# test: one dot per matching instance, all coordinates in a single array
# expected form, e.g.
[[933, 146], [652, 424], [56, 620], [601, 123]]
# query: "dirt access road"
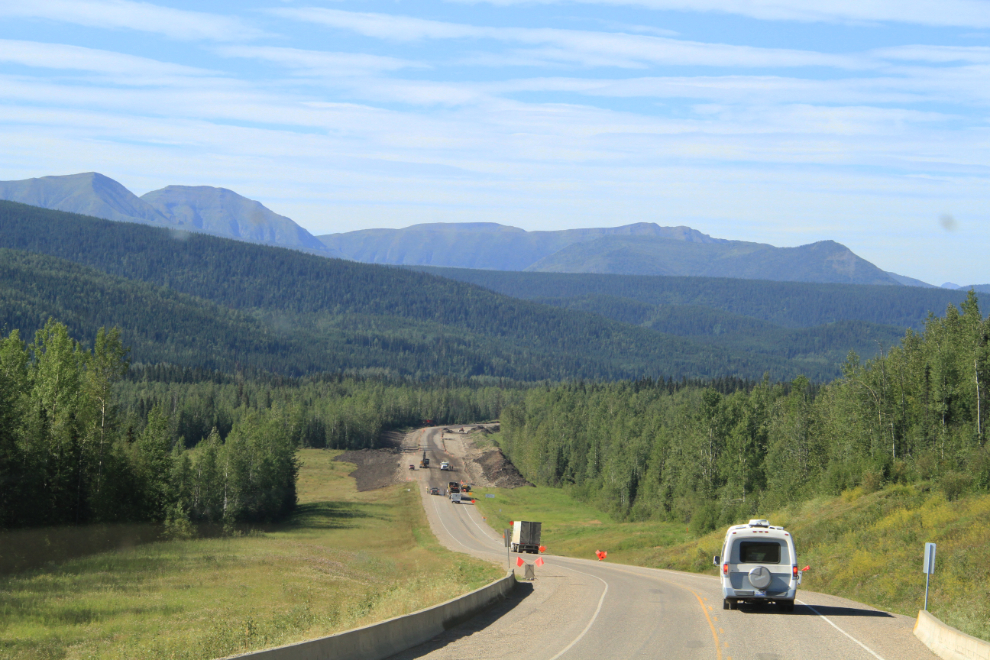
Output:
[[586, 610]]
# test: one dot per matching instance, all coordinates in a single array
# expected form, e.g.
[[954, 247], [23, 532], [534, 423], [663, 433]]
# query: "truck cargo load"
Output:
[[526, 536]]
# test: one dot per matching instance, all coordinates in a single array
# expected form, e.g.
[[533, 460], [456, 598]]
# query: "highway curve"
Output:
[[588, 610]]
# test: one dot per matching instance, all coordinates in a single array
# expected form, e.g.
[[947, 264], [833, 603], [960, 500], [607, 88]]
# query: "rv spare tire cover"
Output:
[[759, 577]]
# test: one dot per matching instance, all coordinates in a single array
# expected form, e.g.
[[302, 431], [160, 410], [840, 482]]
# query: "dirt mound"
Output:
[[376, 468], [500, 471]]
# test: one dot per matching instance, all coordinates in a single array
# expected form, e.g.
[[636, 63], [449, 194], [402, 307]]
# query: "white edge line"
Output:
[[829, 621], [601, 601], [440, 518], [478, 525]]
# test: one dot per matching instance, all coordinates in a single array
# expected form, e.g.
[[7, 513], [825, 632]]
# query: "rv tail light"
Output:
[[725, 569], [794, 570]]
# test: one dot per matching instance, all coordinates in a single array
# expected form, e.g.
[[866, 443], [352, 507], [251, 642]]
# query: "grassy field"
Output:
[[864, 546], [573, 528], [345, 559]]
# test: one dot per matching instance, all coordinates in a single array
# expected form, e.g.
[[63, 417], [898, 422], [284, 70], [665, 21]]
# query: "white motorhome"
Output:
[[758, 565]]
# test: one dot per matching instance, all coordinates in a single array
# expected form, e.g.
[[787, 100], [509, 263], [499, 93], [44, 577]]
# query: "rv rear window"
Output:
[[759, 552]]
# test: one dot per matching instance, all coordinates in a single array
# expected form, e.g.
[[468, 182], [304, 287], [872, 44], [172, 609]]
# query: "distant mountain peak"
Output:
[[204, 209]]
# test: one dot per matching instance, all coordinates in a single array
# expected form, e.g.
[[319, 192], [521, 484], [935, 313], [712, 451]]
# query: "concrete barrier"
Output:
[[380, 640], [948, 643]]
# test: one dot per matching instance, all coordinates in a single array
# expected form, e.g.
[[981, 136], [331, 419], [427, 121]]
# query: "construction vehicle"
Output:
[[453, 487], [526, 536], [425, 463]]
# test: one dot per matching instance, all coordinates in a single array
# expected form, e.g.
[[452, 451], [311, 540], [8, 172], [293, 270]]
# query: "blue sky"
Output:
[[778, 121]]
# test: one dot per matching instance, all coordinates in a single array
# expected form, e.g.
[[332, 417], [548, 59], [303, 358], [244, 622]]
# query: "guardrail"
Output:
[[948, 643], [380, 640]]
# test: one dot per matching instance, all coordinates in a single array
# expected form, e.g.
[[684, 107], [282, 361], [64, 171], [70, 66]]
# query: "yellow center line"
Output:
[[711, 625]]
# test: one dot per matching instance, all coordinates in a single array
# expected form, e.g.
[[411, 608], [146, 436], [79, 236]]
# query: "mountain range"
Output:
[[200, 209], [635, 249], [198, 300]]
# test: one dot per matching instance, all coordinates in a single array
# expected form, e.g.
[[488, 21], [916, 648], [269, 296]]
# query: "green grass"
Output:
[[864, 546], [344, 559], [869, 547], [573, 528]]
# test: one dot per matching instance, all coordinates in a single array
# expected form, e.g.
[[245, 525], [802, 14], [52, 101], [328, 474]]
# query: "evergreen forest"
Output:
[[86, 438], [720, 453]]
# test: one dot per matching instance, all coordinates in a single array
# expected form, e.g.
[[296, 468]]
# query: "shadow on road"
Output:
[[471, 626], [828, 610], [804, 610]]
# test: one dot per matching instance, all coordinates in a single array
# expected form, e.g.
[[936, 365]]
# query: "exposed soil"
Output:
[[486, 467], [499, 471], [375, 467]]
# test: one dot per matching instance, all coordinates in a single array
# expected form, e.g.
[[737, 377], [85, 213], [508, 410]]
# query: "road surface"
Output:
[[588, 610]]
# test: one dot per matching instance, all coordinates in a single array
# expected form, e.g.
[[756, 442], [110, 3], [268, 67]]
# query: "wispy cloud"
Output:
[[141, 16], [954, 13], [584, 47], [938, 54], [76, 58], [319, 63]]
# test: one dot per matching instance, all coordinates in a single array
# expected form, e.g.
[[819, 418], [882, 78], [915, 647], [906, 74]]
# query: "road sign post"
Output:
[[928, 568], [508, 544]]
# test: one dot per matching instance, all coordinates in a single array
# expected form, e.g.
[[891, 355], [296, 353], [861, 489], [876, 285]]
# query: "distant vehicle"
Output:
[[445, 465], [526, 536], [434, 491], [412, 467], [758, 565], [455, 498]]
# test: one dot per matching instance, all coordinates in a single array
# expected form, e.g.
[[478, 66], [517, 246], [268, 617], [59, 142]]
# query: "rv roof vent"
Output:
[[759, 523]]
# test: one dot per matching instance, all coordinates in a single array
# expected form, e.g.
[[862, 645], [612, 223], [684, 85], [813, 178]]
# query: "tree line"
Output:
[[915, 413], [70, 455], [86, 438]]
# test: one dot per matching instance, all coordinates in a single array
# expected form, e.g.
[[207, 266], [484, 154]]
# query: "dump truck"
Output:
[[453, 487], [526, 536]]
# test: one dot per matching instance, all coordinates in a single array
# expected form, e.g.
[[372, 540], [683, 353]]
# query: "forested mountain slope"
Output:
[[387, 318], [830, 342], [787, 304]]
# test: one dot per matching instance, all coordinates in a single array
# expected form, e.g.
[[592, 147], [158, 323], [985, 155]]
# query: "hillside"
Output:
[[485, 245], [826, 261], [222, 212], [215, 211], [639, 249], [87, 194], [385, 318], [786, 304], [829, 342]]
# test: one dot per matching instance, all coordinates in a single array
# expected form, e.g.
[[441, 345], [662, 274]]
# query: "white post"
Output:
[[928, 568]]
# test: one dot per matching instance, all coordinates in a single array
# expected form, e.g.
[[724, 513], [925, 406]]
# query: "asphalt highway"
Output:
[[580, 609]]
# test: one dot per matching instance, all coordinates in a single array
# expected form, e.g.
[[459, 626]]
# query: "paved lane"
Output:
[[588, 610]]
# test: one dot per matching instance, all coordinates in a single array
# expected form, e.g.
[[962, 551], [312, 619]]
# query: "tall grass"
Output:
[[864, 546], [345, 559]]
